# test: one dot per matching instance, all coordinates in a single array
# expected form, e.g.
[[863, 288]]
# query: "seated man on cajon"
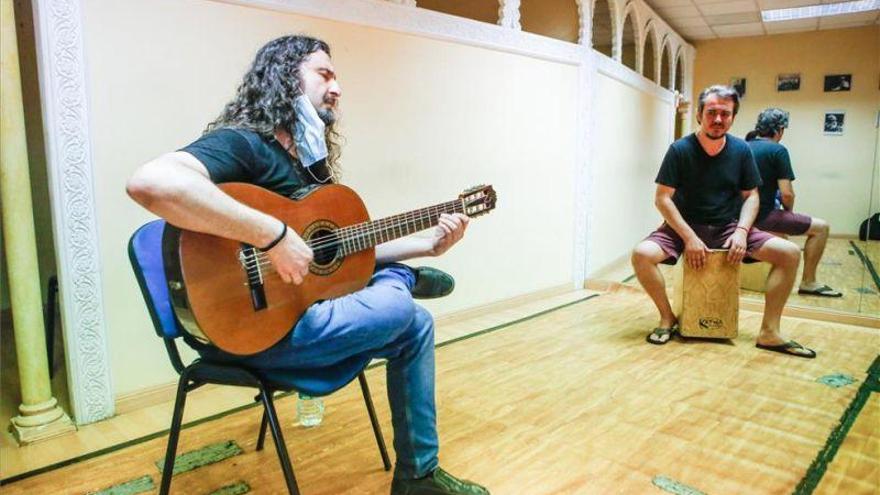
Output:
[[774, 165], [707, 194]]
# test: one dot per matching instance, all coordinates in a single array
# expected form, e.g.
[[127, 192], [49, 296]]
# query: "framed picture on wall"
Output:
[[833, 125], [838, 82], [788, 82], [739, 84]]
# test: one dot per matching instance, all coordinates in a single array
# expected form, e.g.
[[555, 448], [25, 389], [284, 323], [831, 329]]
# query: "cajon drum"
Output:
[[706, 301], [753, 276]]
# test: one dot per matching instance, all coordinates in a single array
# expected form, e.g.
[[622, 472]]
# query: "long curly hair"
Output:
[[264, 101]]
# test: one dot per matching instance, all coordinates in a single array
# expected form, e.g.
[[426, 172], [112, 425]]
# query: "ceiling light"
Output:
[[823, 10]]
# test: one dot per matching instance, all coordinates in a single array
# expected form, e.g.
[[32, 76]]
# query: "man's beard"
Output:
[[328, 116], [715, 138]]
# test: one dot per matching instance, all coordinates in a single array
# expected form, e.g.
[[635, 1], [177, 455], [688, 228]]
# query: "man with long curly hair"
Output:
[[278, 133]]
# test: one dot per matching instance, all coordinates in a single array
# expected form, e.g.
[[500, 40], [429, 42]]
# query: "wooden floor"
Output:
[[569, 402], [855, 468], [206, 401], [840, 267]]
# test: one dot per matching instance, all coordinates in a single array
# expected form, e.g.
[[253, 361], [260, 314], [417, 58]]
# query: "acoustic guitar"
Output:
[[226, 293]]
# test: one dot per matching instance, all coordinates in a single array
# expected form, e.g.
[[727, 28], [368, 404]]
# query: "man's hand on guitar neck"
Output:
[[291, 257], [449, 230]]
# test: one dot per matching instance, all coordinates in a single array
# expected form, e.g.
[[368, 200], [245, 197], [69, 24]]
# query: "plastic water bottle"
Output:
[[309, 410]]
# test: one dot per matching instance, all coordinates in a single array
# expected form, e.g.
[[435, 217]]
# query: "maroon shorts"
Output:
[[713, 236], [785, 222]]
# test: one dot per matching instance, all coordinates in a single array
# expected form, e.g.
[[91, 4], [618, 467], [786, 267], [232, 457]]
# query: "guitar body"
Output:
[[214, 296]]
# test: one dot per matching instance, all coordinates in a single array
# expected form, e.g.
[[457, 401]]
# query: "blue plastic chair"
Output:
[[145, 253]]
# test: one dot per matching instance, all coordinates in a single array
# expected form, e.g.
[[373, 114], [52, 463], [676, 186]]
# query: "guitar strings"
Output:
[[355, 235]]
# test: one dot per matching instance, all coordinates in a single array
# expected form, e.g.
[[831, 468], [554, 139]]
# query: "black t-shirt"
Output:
[[773, 164], [242, 155], [708, 188]]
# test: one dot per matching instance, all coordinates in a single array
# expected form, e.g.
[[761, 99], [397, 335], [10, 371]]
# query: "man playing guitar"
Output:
[[278, 133]]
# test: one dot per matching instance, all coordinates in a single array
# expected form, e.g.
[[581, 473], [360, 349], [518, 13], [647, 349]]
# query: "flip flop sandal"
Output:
[[824, 291], [659, 333], [788, 348]]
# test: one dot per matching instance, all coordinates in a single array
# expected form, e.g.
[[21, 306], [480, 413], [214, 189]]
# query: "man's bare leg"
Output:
[[785, 257], [817, 238], [645, 258]]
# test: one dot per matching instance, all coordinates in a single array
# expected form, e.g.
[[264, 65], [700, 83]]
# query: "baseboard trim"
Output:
[[815, 314], [157, 394], [150, 396]]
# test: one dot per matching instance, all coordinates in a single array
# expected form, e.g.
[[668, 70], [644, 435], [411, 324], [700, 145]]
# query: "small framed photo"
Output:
[[838, 82], [739, 85], [788, 82], [833, 125]]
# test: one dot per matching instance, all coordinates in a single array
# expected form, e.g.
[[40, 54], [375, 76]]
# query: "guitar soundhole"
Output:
[[325, 246], [321, 236]]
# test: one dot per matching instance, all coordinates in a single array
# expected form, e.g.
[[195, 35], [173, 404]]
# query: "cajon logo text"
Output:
[[711, 323]]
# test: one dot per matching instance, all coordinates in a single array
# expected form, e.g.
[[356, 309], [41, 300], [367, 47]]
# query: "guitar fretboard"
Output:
[[366, 235]]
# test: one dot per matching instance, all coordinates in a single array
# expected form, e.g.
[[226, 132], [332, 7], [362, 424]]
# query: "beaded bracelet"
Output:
[[277, 239]]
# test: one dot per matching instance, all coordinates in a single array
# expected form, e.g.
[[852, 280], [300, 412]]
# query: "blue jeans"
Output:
[[379, 321]]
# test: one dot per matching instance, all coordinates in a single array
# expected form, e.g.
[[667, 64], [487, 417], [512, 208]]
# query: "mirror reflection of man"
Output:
[[774, 165], [708, 197]]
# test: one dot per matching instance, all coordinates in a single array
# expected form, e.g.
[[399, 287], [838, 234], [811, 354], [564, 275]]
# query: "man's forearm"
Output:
[[673, 217], [788, 203], [189, 200], [749, 211], [403, 249]]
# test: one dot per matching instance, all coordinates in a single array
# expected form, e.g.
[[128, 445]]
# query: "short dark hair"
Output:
[[771, 121], [721, 91]]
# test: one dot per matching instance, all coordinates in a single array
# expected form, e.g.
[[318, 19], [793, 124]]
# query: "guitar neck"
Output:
[[366, 235]]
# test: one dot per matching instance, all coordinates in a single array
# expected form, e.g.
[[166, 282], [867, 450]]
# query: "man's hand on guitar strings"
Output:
[[449, 230], [291, 258]]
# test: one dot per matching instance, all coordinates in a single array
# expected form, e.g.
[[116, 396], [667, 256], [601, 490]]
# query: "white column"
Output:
[[40, 417], [508, 14]]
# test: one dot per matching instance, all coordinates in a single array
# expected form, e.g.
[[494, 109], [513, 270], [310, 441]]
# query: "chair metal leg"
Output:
[[377, 430], [280, 446], [174, 434], [262, 438]]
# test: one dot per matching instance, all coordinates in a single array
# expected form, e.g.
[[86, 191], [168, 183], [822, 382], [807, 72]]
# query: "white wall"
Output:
[[422, 118], [632, 129]]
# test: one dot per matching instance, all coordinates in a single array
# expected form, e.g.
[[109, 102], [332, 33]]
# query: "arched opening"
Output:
[[648, 62], [679, 74], [628, 42], [553, 18], [603, 35], [478, 10], [664, 66]]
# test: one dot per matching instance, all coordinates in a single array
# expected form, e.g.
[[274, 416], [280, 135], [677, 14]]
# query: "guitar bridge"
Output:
[[248, 257]]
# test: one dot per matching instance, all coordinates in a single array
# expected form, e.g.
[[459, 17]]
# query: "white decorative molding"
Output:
[[60, 55], [408, 3], [427, 23], [624, 74], [585, 22], [508, 14], [633, 11], [583, 174], [651, 30]]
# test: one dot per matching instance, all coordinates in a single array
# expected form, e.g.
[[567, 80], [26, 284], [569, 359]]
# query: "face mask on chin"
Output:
[[308, 137]]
